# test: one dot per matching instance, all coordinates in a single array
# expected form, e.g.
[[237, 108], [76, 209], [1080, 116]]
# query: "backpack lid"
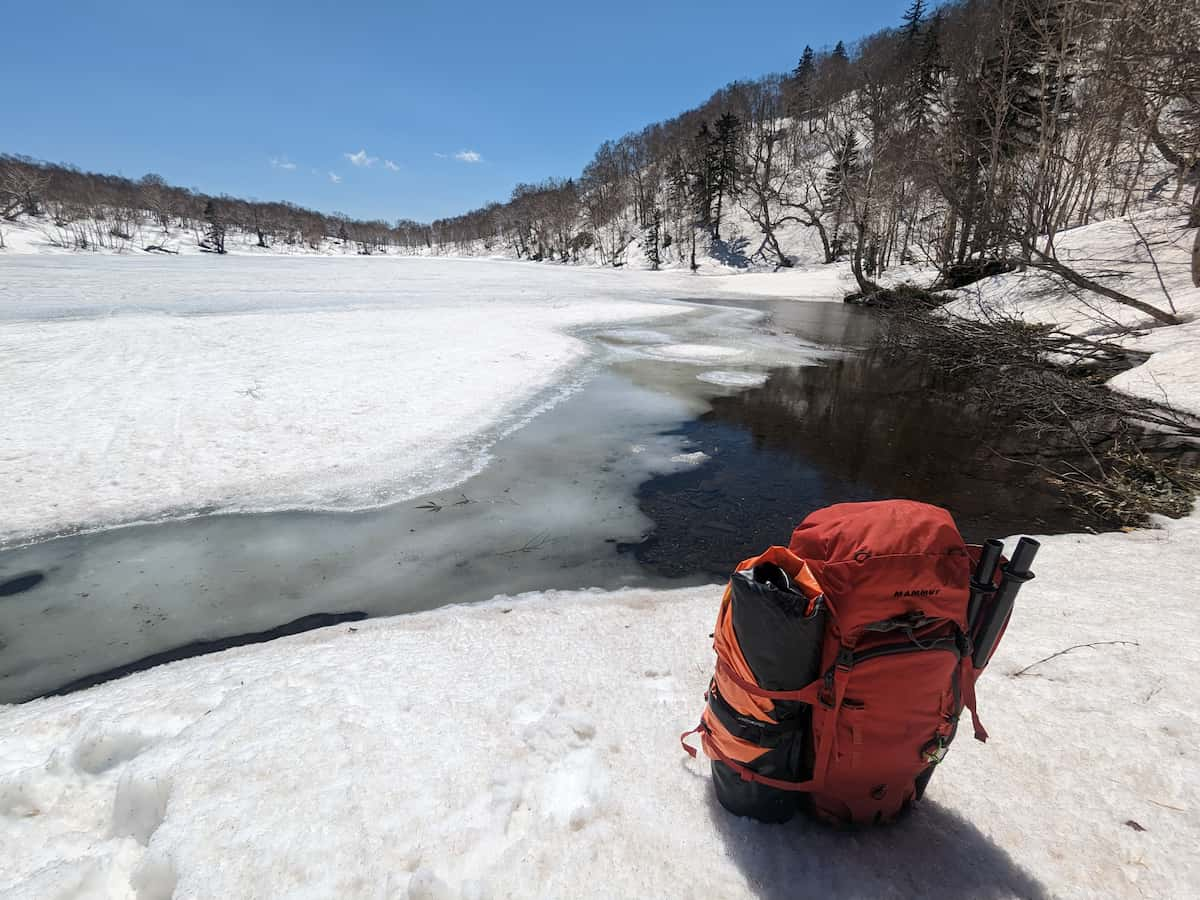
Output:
[[886, 560]]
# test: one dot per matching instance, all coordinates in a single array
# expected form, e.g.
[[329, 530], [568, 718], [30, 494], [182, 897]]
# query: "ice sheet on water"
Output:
[[700, 354], [730, 378], [635, 336]]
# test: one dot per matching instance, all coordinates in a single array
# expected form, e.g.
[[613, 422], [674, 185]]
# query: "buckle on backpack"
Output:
[[965, 645], [825, 695], [844, 661], [935, 751]]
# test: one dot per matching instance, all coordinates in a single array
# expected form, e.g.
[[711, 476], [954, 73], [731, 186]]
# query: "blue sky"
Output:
[[450, 103]]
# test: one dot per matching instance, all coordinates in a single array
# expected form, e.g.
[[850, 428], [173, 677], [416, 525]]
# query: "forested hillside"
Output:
[[968, 135], [965, 138]]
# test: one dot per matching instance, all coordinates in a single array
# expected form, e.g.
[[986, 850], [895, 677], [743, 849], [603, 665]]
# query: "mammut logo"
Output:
[[922, 592]]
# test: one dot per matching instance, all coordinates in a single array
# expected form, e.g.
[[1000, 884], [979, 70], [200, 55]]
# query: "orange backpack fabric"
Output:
[[838, 688]]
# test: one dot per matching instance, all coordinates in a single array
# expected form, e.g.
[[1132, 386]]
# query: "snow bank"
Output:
[[811, 282], [530, 748], [1172, 374]]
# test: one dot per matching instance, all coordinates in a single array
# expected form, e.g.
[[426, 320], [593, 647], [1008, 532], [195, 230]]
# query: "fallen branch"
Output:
[[537, 542], [1069, 649], [1041, 260], [1167, 806]]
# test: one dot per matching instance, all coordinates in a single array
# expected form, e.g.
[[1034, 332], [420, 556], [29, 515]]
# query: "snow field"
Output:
[[529, 747]]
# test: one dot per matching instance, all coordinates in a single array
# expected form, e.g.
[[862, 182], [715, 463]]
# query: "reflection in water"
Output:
[[858, 428]]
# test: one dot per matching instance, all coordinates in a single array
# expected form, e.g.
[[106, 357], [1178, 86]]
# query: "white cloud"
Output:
[[335, 177], [282, 162], [390, 166], [468, 156], [361, 159], [441, 155]]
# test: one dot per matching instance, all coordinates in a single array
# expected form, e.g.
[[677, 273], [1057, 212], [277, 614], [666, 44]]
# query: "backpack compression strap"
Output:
[[967, 674], [826, 707]]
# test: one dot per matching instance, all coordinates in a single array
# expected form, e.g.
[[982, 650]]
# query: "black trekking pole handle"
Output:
[[983, 582], [1016, 573]]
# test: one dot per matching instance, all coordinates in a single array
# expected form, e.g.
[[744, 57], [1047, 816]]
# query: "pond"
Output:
[[655, 471]]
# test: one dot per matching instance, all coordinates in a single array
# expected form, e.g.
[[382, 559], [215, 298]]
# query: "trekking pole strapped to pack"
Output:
[[983, 582], [845, 660], [996, 614]]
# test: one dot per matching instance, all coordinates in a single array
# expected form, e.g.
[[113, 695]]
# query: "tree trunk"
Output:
[[1185, 166], [1039, 260], [865, 285], [828, 250], [1196, 260]]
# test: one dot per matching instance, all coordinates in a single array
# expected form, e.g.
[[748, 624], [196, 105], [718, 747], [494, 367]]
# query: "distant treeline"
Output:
[[91, 209], [965, 137]]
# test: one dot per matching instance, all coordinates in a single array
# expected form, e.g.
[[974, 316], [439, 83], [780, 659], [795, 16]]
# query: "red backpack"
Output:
[[845, 660]]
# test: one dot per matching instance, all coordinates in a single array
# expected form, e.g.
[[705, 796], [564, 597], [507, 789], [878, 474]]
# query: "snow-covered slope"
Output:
[[530, 748]]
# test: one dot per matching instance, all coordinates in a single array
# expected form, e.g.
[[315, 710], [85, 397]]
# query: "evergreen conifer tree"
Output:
[[215, 236], [724, 163], [804, 69], [913, 17], [800, 96], [1033, 78], [921, 89], [650, 238], [702, 176], [847, 163]]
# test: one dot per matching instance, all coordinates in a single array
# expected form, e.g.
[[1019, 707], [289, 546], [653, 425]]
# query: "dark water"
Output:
[[861, 427], [851, 430]]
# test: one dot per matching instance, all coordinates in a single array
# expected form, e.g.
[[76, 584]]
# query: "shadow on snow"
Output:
[[932, 852]]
